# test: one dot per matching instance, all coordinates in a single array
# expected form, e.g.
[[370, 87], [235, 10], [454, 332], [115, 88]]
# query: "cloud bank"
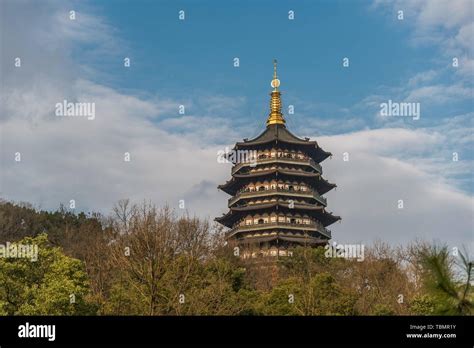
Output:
[[173, 157]]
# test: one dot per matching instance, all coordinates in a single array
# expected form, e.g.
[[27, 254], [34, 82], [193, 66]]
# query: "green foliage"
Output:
[[383, 309], [43, 287], [64, 228], [279, 300], [423, 305], [123, 299], [451, 296], [321, 295], [181, 266]]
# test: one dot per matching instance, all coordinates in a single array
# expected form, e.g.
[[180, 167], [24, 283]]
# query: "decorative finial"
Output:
[[275, 117], [275, 82]]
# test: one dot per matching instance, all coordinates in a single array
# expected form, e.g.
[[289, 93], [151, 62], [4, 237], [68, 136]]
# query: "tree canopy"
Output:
[[143, 260]]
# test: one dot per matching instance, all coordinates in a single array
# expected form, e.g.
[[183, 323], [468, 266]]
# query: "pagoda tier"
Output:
[[274, 231], [238, 213], [314, 180], [277, 135], [277, 190], [273, 157], [271, 191]]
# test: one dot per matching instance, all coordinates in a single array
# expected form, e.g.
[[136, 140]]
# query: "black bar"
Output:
[[290, 331]]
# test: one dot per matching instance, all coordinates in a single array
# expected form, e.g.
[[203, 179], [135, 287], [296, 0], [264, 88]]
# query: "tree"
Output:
[[149, 261], [321, 295], [452, 295], [55, 284], [157, 257]]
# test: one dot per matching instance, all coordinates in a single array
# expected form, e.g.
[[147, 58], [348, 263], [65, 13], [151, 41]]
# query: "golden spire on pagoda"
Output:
[[275, 116]]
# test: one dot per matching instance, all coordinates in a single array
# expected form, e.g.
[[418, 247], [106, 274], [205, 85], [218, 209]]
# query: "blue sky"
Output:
[[196, 54], [190, 62], [185, 58]]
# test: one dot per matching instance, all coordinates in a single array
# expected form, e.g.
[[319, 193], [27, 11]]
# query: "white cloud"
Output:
[[174, 157], [438, 94], [422, 77], [83, 160], [445, 23], [382, 170]]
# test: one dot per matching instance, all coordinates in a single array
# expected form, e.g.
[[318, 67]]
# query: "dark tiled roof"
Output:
[[276, 132], [314, 179], [236, 213]]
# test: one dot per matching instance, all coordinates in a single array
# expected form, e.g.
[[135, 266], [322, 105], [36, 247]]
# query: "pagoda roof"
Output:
[[279, 170], [322, 186], [279, 133], [319, 212], [301, 240]]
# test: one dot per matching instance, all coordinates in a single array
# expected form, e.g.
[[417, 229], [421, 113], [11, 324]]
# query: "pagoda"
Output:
[[277, 190]]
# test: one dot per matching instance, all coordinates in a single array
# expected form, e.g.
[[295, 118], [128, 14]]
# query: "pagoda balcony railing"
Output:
[[316, 227], [260, 193], [278, 159]]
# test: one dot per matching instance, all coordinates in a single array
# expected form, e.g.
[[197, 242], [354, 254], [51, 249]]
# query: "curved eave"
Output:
[[326, 187], [281, 134], [313, 150], [276, 132], [279, 204], [236, 213], [240, 168], [287, 194], [232, 186], [226, 188], [222, 219], [300, 240], [281, 171]]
